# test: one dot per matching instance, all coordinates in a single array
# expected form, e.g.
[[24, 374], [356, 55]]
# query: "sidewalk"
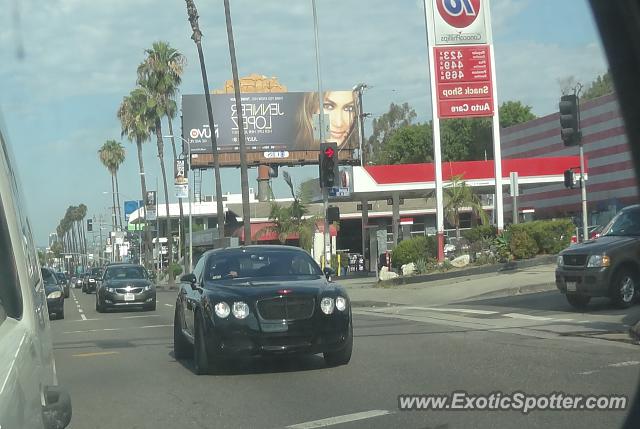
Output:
[[535, 279]]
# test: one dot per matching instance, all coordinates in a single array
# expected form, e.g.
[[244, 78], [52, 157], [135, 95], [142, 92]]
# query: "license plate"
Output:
[[129, 297], [571, 286]]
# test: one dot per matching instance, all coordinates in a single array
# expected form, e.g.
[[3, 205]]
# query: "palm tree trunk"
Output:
[[457, 223], [118, 201], [175, 156], [143, 186], [114, 217], [166, 201]]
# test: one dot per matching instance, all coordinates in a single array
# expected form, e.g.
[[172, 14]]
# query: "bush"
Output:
[[551, 236], [481, 232], [175, 269], [414, 249], [522, 245]]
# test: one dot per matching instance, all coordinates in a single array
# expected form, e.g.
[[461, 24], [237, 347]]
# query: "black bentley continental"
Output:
[[260, 300]]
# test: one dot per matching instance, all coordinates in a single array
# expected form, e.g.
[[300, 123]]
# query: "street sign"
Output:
[[359, 207], [463, 81], [68, 256], [513, 184], [339, 192]]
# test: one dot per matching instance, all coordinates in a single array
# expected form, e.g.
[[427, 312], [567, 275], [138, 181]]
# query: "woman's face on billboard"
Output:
[[340, 106]]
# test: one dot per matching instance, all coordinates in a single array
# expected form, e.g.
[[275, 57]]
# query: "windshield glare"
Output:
[[125, 273], [625, 223], [259, 264]]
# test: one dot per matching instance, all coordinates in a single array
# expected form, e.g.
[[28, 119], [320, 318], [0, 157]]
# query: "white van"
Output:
[[30, 397]]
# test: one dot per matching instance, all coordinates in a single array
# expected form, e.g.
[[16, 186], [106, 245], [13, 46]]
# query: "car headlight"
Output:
[[341, 303], [327, 305], [240, 310], [560, 261], [111, 289], [54, 295], [597, 261], [92, 281], [222, 309], [148, 287]]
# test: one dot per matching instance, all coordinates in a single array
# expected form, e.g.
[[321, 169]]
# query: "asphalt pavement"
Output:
[[121, 373]]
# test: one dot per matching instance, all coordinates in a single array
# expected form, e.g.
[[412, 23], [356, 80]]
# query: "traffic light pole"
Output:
[[583, 190]]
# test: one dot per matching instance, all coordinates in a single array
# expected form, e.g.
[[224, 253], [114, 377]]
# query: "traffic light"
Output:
[[333, 214], [569, 179], [570, 120], [89, 225], [328, 165]]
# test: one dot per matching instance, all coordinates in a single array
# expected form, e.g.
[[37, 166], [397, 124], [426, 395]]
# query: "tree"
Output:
[[397, 117], [601, 85], [112, 155], [291, 220], [410, 144], [161, 73], [136, 124], [513, 113], [457, 196]]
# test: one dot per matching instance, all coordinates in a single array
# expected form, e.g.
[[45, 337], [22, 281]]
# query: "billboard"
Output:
[[460, 22], [150, 205], [181, 181], [279, 127]]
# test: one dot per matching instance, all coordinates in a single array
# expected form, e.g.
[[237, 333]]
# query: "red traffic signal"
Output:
[[329, 152]]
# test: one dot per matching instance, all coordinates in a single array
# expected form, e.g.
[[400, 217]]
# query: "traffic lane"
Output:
[[553, 302], [129, 378]]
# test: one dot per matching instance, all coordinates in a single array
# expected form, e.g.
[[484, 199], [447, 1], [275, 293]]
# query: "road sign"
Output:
[[68, 256], [339, 192], [463, 81]]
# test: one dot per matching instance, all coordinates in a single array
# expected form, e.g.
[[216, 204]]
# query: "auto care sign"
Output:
[[460, 37]]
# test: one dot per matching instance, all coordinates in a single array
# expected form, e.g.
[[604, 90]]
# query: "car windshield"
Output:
[[250, 264], [48, 277], [625, 223], [125, 273]]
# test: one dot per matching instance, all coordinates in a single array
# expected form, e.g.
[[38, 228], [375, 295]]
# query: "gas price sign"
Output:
[[463, 81]]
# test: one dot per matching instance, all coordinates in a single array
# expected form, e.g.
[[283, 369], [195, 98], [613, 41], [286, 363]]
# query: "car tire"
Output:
[[60, 315], [343, 356], [182, 349], [66, 293], [99, 307], [201, 359], [152, 307], [578, 301], [624, 288]]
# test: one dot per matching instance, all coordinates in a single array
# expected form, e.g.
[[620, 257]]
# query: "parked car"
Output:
[[260, 300], [30, 397], [125, 286], [606, 267], [64, 282], [55, 293], [91, 279]]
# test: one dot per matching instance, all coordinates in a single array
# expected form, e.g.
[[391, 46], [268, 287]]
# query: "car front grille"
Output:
[[133, 290], [575, 260], [286, 308]]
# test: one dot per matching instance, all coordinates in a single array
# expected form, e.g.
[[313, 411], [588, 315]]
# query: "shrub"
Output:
[[481, 232], [175, 269], [423, 266], [502, 246], [414, 249], [551, 236], [522, 245]]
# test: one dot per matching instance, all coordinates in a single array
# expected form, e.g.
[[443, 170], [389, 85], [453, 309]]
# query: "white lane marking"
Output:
[[526, 317], [116, 329], [140, 317], [340, 419], [623, 364], [83, 317], [169, 305], [453, 310], [588, 372]]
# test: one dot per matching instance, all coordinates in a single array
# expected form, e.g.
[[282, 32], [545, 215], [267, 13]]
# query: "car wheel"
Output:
[[66, 293], [182, 349], [60, 315], [577, 301], [152, 307], [624, 288], [201, 361], [99, 307], [340, 357]]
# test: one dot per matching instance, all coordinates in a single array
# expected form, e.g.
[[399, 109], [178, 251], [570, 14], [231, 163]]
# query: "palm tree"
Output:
[[136, 124], [161, 74], [81, 214], [112, 155], [291, 220], [457, 196]]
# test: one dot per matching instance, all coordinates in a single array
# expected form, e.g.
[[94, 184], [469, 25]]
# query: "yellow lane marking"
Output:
[[95, 354]]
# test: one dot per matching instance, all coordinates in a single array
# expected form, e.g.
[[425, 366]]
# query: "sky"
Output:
[[69, 63]]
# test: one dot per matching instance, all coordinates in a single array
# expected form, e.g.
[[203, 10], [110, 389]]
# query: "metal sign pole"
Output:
[[583, 190]]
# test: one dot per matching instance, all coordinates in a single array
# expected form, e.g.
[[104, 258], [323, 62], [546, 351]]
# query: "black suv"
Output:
[[91, 280], [608, 266]]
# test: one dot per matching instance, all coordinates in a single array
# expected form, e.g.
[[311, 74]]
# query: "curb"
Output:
[[484, 269]]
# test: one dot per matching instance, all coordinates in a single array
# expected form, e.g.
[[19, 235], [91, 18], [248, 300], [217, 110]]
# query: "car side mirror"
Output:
[[189, 278], [328, 272]]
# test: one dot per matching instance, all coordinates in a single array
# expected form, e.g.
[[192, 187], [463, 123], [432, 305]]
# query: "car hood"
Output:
[[257, 288], [600, 245], [127, 282]]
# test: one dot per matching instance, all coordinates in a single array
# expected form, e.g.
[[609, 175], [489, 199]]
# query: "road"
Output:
[[121, 373]]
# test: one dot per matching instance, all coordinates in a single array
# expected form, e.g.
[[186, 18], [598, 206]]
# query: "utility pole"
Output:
[[197, 38], [244, 177], [326, 246], [365, 203]]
